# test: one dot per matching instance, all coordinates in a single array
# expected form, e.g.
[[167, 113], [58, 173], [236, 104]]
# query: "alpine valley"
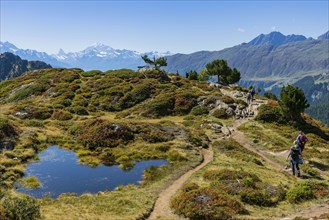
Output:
[[71, 140], [267, 62]]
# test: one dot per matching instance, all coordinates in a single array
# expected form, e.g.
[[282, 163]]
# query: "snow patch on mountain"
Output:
[[97, 56]]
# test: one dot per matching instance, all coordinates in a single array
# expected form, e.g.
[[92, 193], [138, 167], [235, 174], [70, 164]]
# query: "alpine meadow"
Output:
[[231, 122]]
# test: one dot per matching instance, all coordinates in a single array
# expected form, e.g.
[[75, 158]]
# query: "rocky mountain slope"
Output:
[[271, 58], [12, 66], [122, 116], [271, 61]]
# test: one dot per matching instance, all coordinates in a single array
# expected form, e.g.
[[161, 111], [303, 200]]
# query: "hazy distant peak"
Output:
[[276, 38], [99, 47], [7, 47], [61, 52], [324, 36]]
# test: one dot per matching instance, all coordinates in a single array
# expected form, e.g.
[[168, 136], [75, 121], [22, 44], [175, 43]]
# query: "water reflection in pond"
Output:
[[59, 172]]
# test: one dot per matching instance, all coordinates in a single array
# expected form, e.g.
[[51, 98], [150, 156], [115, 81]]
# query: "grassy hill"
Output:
[[122, 116]]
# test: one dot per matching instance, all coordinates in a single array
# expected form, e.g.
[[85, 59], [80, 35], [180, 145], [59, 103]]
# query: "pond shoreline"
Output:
[[59, 171]]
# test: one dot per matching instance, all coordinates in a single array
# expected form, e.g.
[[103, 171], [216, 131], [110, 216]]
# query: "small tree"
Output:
[[220, 69], [234, 77], [157, 63], [292, 102], [259, 90], [193, 75], [270, 95], [203, 76], [224, 73]]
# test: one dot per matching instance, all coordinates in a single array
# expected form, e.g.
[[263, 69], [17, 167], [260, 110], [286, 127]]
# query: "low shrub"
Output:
[[4, 215], [79, 110], [64, 102], [270, 95], [100, 133], [220, 113], [40, 113], [199, 110], [162, 105], [184, 102], [138, 94], [301, 191], [241, 102], [256, 197], [23, 207], [7, 132], [62, 115], [174, 155], [32, 89], [227, 99], [267, 113], [198, 138], [205, 203], [91, 73], [210, 100], [70, 76], [35, 123], [124, 73]]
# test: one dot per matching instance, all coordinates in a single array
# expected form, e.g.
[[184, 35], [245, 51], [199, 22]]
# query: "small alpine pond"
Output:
[[59, 172]]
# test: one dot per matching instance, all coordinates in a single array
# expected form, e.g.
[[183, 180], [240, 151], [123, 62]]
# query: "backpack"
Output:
[[295, 153], [302, 140]]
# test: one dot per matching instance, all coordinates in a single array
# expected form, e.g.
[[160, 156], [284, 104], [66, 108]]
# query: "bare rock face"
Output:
[[238, 95], [215, 127], [230, 112], [226, 131]]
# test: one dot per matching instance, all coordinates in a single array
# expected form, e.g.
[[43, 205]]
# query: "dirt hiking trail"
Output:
[[162, 206], [162, 210]]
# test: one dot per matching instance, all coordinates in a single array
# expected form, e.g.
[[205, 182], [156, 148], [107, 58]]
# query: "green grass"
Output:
[[123, 116], [30, 182], [262, 191]]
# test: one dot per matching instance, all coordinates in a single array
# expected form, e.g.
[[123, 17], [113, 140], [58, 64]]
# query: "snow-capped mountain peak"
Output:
[[7, 47], [96, 56], [99, 47]]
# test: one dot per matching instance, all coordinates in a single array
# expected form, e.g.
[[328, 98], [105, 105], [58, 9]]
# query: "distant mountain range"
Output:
[[12, 66], [265, 58], [268, 61], [97, 56], [276, 38]]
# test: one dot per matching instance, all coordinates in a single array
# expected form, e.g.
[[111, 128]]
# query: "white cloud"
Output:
[[241, 30], [273, 28]]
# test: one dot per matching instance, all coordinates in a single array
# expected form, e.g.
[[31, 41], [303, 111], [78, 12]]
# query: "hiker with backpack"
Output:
[[301, 140], [249, 98], [295, 158], [252, 92]]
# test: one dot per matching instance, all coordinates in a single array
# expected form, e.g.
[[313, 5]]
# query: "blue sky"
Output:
[[177, 26]]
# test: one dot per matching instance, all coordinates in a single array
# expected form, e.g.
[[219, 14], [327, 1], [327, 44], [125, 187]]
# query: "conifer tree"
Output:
[[292, 102], [224, 73], [157, 63]]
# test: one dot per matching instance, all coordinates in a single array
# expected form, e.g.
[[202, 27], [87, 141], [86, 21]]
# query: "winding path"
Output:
[[162, 208], [162, 205]]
